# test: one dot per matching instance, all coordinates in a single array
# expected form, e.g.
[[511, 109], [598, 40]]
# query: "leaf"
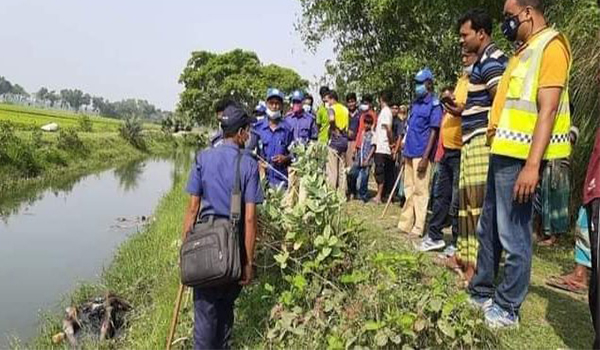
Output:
[[373, 325], [381, 338], [324, 254], [435, 305], [447, 329], [334, 343], [333, 241], [290, 235], [298, 245], [272, 333], [299, 282], [319, 241], [269, 288], [327, 232]]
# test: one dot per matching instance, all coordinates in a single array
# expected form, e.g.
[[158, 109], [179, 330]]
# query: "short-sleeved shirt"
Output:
[[323, 124], [364, 149], [554, 72], [273, 142], [382, 143], [451, 132], [213, 174], [486, 74], [303, 126], [353, 128], [361, 124], [341, 116], [425, 115]]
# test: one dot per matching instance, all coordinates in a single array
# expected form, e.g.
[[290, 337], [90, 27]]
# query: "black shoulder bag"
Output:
[[211, 254]]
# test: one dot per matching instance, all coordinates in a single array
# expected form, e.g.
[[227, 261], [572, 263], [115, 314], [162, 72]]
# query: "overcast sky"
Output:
[[137, 48]]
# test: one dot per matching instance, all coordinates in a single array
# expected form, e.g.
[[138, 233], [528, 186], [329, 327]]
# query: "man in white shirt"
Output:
[[384, 140]]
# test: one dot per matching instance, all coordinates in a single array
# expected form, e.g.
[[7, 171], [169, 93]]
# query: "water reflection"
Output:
[[129, 175]]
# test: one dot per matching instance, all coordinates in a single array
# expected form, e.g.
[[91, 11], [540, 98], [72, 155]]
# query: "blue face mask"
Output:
[[420, 90]]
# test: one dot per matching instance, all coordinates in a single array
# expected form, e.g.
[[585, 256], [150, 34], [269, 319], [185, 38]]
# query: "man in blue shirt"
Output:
[[210, 186], [302, 123], [274, 140], [419, 148]]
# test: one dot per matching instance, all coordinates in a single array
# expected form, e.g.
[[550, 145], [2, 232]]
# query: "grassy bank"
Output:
[[31, 160]]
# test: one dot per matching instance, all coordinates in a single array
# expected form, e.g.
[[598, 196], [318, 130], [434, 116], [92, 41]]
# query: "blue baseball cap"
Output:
[[234, 118], [297, 96], [273, 92], [423, 75]]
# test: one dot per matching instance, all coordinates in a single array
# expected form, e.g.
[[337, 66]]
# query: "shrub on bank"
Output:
[[330, 296]]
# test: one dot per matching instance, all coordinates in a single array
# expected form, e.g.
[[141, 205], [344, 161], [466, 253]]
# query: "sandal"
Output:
[[567, 285]]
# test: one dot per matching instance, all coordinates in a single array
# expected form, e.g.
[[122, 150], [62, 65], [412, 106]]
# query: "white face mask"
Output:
[[307, 108], [273, 115], [363, 107], [468, 70]]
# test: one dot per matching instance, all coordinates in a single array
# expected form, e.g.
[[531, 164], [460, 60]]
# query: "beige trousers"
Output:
[[416, 190], [336, 170], [296, 192]]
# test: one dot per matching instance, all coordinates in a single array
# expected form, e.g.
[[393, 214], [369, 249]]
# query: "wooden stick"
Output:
[[175, 316], [392, 193]]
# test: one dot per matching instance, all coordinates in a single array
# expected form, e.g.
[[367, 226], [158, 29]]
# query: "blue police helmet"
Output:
[[273, 92], [423, 75], [297, 96]]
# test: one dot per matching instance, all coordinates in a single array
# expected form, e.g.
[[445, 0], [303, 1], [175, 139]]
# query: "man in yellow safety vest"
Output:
[[529, 123]]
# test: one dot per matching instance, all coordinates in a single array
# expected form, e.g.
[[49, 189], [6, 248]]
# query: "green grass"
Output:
[[28, 118], [551, 319]]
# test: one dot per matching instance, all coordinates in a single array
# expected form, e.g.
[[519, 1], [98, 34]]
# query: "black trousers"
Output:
[[593, 211], [384, 172], [445, 196], [213, 316]]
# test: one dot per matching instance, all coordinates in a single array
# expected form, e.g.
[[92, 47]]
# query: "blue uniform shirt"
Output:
[[272, 143], [212, 176], [303, 126], [425, 114]]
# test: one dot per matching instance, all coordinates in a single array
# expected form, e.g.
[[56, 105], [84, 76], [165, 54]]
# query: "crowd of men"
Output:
[[474, 157]]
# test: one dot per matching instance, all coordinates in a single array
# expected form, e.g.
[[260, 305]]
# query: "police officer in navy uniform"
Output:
[[274, 140], [210, 186]]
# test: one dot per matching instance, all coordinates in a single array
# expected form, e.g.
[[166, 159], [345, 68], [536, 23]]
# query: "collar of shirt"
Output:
[[426, 99], [267, 126]]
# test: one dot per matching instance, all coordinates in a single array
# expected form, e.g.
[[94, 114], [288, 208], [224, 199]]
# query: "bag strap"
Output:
[[236, 195]]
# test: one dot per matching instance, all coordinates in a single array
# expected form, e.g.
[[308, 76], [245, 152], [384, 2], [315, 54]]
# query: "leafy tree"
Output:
[[74, 98], [238, 75], [53, 97], [42, 94], [19, 90], [5, 86], [86, 100]]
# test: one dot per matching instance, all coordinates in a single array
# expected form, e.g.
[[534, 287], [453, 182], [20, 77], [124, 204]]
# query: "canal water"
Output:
[[54, 238]]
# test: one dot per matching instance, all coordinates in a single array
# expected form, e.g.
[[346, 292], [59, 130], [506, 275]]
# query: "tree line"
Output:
[[77, 100]]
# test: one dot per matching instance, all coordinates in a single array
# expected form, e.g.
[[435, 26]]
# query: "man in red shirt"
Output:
[[591, 201]]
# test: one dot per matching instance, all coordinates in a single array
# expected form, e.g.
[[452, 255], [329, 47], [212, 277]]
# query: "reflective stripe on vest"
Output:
[[519, 115]]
